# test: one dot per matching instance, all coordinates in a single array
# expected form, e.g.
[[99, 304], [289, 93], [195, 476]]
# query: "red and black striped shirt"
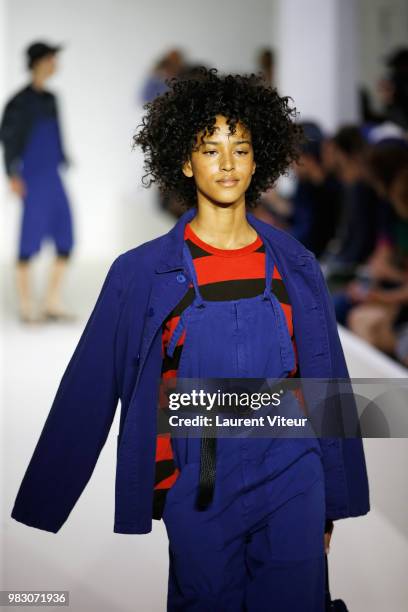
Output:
[[222, 274]]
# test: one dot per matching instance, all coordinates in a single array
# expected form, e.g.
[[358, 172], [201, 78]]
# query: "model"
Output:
[[33, 153], [221, 295]]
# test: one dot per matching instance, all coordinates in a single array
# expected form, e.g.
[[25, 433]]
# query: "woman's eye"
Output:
[[210, 153]]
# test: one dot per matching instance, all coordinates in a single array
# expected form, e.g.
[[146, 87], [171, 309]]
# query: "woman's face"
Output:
[[222, 164]]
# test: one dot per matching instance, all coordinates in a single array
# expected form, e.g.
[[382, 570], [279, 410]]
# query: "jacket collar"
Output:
[[171, 257]]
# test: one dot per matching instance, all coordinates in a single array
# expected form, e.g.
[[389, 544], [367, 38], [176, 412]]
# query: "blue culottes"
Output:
[[46, 211]]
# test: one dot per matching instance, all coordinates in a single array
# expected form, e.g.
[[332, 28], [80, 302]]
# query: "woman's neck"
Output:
[[223, 227]]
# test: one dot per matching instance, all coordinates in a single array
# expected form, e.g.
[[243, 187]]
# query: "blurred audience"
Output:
[[358, 221], [345, 199], [170, 65], [375, 306], [349, 206], [317, 198], [393, 88]]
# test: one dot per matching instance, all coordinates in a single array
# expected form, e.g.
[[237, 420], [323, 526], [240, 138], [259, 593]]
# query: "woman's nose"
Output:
[[227, 162]]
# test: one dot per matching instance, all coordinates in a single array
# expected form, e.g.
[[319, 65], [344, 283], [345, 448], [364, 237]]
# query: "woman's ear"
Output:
[[187, 168], [253, 168]]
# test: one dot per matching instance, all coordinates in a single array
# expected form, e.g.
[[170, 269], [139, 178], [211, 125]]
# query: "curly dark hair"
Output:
[[168, 132]]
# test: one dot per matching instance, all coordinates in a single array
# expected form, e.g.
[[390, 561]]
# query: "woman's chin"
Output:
[[225, 199]]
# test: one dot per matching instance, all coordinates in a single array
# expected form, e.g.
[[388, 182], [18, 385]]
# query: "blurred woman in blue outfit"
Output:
[[33, 153]]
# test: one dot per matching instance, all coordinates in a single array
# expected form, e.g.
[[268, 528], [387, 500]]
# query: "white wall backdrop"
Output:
[[317, 48]]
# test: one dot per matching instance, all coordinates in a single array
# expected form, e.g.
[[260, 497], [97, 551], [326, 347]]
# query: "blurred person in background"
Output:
[[317, 199], [310, 206], [171, 65], [367, 112], [378, 304], [33, 153], [266, 65], [393, 88], [275, 206], [357, 228], [392, 91]]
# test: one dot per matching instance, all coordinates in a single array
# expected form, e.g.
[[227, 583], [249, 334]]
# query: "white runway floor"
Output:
[[122, 573]]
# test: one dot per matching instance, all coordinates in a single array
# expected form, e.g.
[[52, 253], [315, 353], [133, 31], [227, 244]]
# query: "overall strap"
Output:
[[197, 302], [286, 348], [208, 451], [269, 266]]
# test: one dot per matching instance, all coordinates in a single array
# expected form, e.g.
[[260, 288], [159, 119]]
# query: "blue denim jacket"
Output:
[[119, 357]]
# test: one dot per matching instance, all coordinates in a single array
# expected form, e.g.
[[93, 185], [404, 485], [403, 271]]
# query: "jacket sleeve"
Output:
[[13, 131], [79, 420], [353, 478]]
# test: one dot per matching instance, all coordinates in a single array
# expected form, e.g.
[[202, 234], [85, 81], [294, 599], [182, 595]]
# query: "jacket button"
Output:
[[180, 278], [150, 312]]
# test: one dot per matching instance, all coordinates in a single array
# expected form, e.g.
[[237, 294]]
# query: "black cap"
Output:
[[38, 50]]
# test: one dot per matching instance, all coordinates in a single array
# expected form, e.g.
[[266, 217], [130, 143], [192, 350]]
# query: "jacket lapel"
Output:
[[166, 291], [165, 295]]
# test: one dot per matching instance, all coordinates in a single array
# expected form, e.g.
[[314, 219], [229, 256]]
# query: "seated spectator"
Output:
[[275, 205], [394, 88], [376, 307], [357, 228], [317, 199], [308, 206]]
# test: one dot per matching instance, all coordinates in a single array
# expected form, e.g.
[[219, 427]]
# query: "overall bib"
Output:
[[258, 546], [46, 212]]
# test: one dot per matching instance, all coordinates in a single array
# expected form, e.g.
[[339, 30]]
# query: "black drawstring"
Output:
[[208, 451], [207, 472]]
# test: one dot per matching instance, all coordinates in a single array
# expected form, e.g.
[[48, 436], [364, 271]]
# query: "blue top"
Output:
[[23, 119]]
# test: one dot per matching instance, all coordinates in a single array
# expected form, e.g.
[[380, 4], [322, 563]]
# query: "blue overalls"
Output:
[[46, 212], [258, 546]]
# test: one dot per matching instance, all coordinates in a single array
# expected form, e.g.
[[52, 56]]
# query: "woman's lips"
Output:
[[228, 182]]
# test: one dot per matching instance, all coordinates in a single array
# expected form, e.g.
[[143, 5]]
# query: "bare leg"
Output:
[[25, 301], [53, 301]]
